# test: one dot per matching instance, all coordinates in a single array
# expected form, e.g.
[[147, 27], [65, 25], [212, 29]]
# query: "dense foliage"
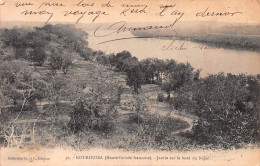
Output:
[[227, 108], [37, 44]]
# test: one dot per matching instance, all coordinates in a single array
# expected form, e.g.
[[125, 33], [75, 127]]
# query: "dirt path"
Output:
[[184, 118], [164, 109], [148, 96]]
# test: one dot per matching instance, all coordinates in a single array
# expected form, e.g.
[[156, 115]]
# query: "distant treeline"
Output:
[[219, 40]]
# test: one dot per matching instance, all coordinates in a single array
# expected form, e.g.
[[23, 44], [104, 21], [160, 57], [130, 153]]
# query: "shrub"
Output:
[[134, 118], [96, 112], [160, 97], [86, 116]]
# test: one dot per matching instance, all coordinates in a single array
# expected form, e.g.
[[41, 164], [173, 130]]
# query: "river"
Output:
[[209, 60]]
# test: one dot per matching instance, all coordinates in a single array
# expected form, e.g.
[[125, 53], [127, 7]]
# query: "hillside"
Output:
[[38, 123], [55, 91]]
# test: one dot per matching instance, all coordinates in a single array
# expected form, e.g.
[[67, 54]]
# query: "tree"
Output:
[[68, 37], [149, 70], [20, 53], [101, 57], [124, 60], [66, 63], [38, 56], [160, 68], [60, 60], [55, 62], [135, 78], [177, 77], [9, 37], [17, 86]]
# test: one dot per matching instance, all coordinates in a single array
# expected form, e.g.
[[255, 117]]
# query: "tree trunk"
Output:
[[169, 96]]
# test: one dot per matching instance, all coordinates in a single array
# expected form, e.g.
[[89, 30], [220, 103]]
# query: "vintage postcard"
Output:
[[129, 82]]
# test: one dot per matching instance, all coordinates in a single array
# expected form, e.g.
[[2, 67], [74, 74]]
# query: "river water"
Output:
[[210, 60]]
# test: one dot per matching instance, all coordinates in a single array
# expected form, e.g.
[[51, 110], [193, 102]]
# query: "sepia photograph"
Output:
[[129, 82]]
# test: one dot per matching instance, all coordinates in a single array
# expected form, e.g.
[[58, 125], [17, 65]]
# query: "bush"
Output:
[[134, 118], [95, 110], [160, 97], [86, 116]]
